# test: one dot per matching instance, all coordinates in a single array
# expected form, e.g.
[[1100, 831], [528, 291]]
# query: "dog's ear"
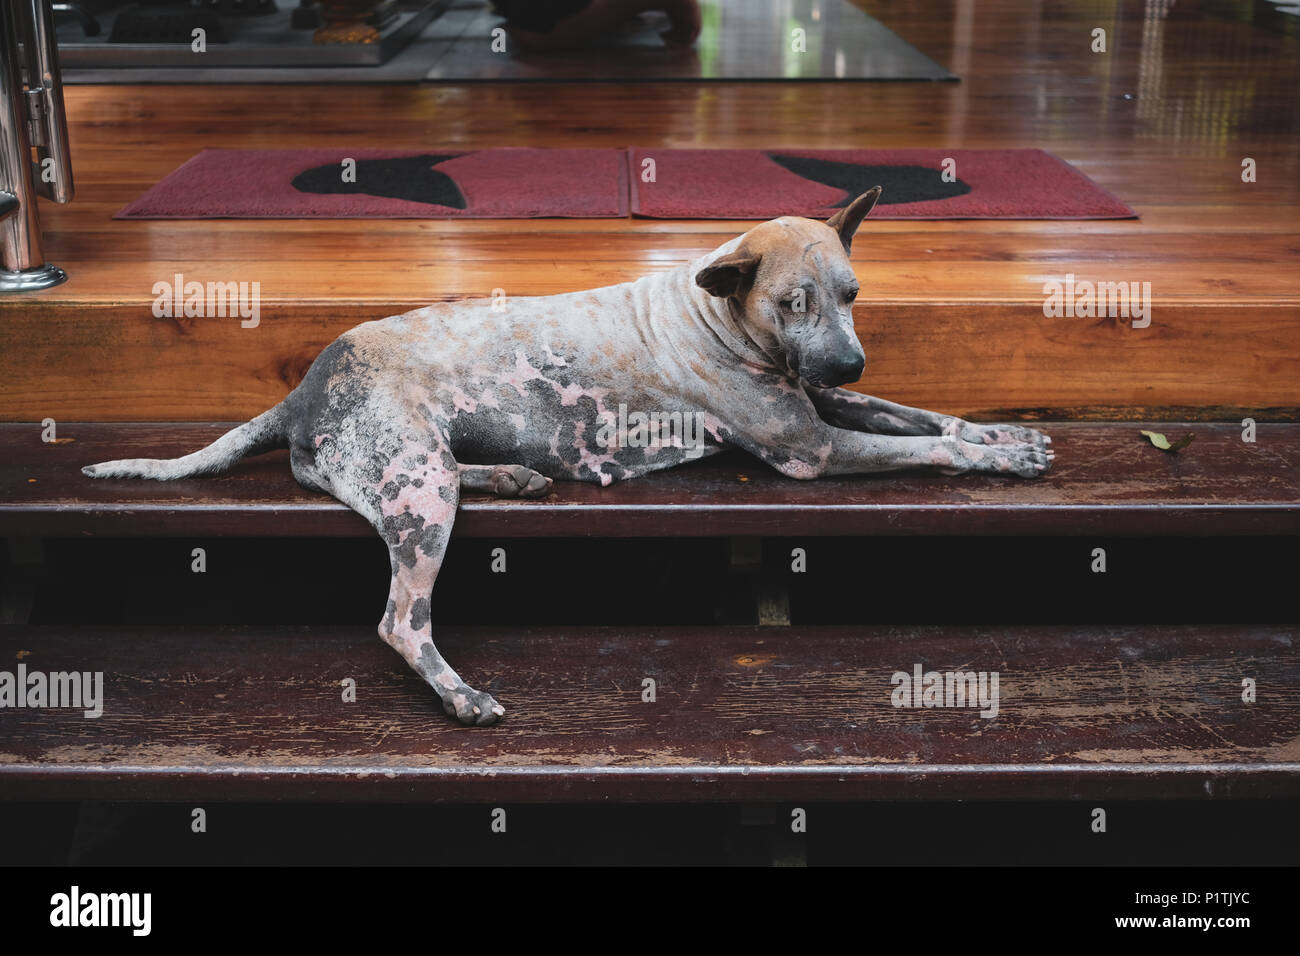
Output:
[[726, 276], [847, 220]]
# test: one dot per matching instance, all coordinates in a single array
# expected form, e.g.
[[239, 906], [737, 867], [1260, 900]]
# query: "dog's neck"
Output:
[[724, 318]]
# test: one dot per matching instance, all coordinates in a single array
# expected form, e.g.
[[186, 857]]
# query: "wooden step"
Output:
[[951, 312], [742, 713], [1107, 480], [979, 356]]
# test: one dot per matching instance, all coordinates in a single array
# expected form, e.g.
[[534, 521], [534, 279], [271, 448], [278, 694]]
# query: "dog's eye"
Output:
[[850, 295]]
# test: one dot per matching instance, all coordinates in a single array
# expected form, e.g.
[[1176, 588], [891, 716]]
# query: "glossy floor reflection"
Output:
[[739, 39]]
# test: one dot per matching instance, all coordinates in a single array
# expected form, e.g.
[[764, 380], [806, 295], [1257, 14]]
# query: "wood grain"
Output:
[[741, 713], [979, 360]]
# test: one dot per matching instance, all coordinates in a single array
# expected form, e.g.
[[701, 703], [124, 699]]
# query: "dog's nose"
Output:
[[847, 368]]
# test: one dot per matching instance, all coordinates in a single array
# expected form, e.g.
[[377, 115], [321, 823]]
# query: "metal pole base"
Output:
[[29, 280]]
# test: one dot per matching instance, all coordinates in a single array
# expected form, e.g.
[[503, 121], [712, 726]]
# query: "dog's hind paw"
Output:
[[472, 707], [516, 481]]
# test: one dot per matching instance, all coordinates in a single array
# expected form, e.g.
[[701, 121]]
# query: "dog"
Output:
[[397, 416]]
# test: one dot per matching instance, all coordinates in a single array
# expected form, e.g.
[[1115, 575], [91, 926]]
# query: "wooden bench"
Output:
[[741, 713]]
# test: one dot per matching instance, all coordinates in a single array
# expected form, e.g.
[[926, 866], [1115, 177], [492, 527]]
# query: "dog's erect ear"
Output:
[[726, 276], [847, 220]]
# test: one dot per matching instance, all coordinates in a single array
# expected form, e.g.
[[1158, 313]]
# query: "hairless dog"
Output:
[[752, 341]]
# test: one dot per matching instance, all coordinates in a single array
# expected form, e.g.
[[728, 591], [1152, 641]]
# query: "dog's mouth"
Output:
[[833, 380]]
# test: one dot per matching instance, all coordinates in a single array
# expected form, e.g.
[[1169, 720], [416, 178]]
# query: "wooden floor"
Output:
[[951, 312]]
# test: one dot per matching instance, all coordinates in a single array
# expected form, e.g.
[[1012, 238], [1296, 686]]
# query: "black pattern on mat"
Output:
[[901, 184], [410, 177]]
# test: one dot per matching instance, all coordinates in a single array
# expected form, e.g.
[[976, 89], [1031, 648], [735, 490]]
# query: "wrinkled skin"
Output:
[[396, 416]]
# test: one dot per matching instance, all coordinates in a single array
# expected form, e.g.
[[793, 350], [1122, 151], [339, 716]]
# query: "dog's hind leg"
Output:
[[303, 465], [505, 481], [407, 485]]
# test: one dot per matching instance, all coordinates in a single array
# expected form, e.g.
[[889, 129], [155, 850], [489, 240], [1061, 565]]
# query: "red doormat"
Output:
[[765, 184], [390, 184], [607, 183]]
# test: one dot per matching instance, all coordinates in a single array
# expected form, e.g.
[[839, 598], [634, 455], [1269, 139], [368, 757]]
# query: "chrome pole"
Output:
[[29, 117]]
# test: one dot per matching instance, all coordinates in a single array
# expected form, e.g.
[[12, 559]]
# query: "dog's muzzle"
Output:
[[837, 371]]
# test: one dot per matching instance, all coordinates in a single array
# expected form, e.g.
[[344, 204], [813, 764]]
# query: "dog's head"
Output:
[[793, 287]]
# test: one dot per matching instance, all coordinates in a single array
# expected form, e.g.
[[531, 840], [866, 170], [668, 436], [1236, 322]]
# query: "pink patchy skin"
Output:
[[396, 416], [594, 461], [523, 374], [462, 402], [409, 511]]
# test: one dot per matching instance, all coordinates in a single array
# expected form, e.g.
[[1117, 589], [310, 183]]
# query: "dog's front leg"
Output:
[[866, 413], [844, 452], [794, 440]]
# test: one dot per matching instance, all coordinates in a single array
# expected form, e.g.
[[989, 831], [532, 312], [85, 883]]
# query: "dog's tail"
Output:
[[263, 433]]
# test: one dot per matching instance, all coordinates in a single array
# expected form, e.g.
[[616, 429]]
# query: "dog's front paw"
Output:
[[1005, 435], [997, 435], [1026, 459], [994, 434]]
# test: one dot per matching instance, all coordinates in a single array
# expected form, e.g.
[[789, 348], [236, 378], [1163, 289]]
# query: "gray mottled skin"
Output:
[[396, 416]]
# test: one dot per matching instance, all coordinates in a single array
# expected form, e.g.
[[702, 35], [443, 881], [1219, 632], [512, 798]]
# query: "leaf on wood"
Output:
[[1163, 443]]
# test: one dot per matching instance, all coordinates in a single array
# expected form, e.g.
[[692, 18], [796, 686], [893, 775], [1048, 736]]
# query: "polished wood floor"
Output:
[[951, 311]]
